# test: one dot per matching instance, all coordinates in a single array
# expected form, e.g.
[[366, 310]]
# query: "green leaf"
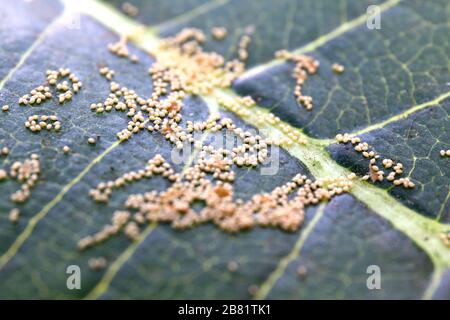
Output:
[[393, 93]]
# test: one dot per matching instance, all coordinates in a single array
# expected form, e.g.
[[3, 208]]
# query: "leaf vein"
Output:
[[27, 232], [279, 271]]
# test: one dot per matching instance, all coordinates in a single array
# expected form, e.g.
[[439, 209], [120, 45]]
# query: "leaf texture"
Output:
[[393, 94]]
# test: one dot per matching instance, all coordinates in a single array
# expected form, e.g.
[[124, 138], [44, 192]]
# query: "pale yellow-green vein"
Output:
[[102, 286], [24, 56], [323, 39], [26, 233], [434, 283], [278, 272], [405, 114], [114, 268], [112, 19], [191, 14]]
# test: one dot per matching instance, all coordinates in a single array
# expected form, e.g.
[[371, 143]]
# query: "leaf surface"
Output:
[[393, 93]]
